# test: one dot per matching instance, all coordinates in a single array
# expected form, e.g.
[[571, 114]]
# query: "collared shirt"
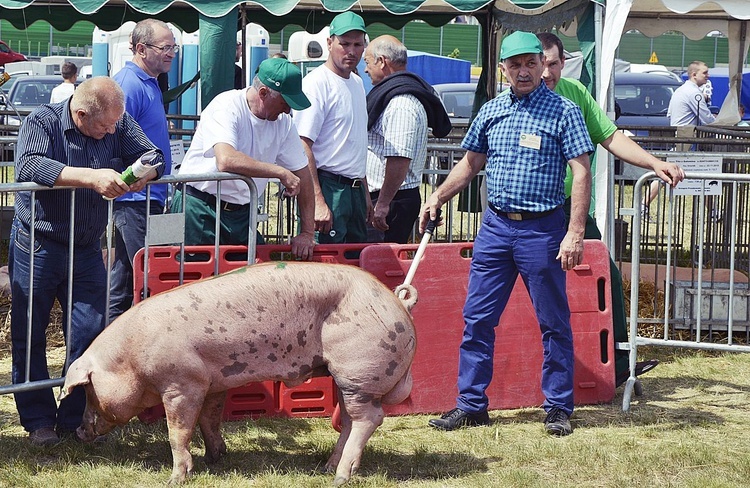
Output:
[[688, 106], [49, 140], [528, 142], [144, 102], [400, 131]]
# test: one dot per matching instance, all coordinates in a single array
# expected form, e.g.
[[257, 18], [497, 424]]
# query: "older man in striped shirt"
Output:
[[400, 108], [83, 142]]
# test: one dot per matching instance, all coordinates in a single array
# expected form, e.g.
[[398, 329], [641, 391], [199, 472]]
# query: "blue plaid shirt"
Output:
[[520, 178]]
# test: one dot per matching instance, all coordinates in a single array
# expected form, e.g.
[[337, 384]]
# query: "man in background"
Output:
[[334, 135], [603, 131], [64, 90], [153, 49], [400, 108], [688, 105]]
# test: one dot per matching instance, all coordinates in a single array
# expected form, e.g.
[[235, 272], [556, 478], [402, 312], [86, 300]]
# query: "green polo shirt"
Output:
[[599, 126]]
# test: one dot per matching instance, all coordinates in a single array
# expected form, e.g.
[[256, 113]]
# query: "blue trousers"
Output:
[[503, 249], [38, 408], [130, 237]]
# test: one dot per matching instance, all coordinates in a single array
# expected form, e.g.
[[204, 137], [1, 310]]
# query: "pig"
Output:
[[284, 321]]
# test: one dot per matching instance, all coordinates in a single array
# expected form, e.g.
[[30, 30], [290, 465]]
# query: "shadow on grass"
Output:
[[254, 448]]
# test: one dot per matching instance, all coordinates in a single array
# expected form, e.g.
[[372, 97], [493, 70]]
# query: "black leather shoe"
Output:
[[459, 418], [557, 423]]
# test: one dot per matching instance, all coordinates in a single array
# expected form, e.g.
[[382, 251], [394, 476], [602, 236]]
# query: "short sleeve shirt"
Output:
[[528, 142], [228, 119], [400, 131]]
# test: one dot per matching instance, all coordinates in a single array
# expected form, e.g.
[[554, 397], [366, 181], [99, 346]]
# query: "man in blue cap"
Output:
[[334, 133], [248, 132], [525, 137]]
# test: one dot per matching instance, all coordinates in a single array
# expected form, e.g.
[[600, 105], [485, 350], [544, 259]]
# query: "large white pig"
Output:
[[275, 321]]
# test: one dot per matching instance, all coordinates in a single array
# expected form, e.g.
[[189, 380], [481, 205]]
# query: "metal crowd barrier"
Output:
[[703, 303], [161, 229]]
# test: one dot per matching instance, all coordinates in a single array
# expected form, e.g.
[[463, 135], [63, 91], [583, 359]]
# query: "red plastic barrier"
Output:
[[442, 281], [316, 397], [251, 401]]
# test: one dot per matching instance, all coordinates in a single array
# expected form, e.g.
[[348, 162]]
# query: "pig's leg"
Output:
[[210, 424], [346, 429], [366, 416], [182, 404]]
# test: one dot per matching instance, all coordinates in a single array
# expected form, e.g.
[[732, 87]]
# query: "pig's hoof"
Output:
[[339, 480], [213, 458]]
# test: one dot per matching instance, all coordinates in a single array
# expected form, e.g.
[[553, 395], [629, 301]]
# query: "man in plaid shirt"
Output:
[[525, 137]]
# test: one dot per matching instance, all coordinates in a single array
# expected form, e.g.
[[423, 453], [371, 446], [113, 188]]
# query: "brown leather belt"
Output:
[[522, 215]]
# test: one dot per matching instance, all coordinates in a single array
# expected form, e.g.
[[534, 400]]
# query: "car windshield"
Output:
[[643, 99], [30, 93]]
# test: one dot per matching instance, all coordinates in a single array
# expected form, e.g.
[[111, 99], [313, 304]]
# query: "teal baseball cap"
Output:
[[520, 42], [345, 22], [286, 78]]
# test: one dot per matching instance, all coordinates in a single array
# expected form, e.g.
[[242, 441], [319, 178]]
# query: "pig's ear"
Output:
[[78, 374]]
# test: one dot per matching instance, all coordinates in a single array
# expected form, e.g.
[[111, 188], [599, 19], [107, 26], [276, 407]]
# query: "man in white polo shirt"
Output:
[[248, 132]]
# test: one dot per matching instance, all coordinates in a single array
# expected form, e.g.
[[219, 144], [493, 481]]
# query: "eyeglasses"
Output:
[[164, 49]]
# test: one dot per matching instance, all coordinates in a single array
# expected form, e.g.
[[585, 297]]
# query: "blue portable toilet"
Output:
[[190, 59]]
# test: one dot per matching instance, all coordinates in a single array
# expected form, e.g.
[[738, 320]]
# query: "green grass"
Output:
[[688, 430]]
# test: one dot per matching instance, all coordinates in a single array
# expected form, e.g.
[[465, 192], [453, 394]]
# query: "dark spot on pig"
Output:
[[233, 356], [195, 306], [208, 330], [275, 345], [253, 331], [272, 357], [304, 370], [317, 361], [179, 308], [185, 318], [289, 348], [392, 335], [228, 305], [356, 312], [311, 326], [376, 378], [294, 364], [386, 346], [261, 308], [399, 327], [169, 329], [391, 368], [281, 325], [234, 369], [241, 314], [302, 338], [222, 330], [376, 402], [264, 336]]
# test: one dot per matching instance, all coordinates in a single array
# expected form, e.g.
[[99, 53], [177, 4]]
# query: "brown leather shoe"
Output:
[[45, 436]]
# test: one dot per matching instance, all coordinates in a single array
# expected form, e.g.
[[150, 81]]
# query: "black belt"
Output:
[[376, 194], [211, 199], [353, 182], [522, 215]]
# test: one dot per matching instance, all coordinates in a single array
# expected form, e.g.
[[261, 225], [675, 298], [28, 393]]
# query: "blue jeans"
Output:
[[38, 408], [503, 249], [130, 236]]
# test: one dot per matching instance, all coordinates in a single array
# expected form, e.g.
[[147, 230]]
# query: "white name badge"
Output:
[[531, 141]]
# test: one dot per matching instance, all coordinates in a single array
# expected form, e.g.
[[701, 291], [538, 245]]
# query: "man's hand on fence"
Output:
[[671, 173]]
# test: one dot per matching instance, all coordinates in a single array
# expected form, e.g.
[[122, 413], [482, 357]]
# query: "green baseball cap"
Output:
[[520, 43], [345, 22], [284, 77]]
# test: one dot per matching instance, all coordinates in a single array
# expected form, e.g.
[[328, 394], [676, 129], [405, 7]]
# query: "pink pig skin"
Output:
[[275, 321]]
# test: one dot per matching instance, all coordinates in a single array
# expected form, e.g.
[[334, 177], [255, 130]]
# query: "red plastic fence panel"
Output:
[[441, 282]]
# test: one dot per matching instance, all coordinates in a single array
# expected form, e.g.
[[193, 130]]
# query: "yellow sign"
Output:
[[653, 59]]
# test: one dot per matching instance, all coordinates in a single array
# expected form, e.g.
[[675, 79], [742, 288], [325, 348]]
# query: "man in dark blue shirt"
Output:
[[83, 142], [526, 137]]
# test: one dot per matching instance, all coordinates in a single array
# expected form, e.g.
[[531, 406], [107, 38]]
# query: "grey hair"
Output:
[[97, 95], [143, 33], [257, 84], [395, 51]]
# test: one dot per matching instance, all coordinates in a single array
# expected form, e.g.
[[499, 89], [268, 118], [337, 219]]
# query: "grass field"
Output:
[[688, 430]]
